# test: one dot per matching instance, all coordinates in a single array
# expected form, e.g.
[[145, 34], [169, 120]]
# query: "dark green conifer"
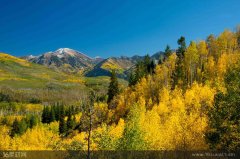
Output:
[[113, 89]]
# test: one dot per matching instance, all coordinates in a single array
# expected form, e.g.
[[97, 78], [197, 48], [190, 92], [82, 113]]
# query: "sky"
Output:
[[110, 27]]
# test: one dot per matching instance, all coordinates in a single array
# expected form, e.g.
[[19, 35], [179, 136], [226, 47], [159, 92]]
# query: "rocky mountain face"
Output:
[[69, 60], [64, 59]]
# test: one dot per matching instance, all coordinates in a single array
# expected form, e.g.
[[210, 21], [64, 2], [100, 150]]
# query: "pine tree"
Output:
[[57, 111], [33, 121], [152, 67], [167, 52], [62, 125], [52, 115], [161, 59], [70, 122], [147, 64], [48, 115], [113, 89], [15, 128], [224, 117], [182, 47], [44, 115], [132, 80], [22, 125], [178, 75]]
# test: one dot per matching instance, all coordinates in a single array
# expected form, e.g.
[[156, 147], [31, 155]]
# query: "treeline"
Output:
[[191, 63], [196, 84], [58, 112], [142, 68], [189, 100], [19, 127]]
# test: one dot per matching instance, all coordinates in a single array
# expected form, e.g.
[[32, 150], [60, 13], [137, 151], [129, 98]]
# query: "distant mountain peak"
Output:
[[70, 60], [62, 58]]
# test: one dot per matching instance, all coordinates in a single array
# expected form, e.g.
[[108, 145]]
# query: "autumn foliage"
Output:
[[173, 105]]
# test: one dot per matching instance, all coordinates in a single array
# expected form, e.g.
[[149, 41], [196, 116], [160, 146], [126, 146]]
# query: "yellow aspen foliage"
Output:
[[202, 49], [5, 139], [171, 62], [100, 110], [185, 132], [203, 53], [151, 129], [210, 68], [106, 137], [78, 117], [38, 138], [177, 102], [117, 131], [163, 106], [227, 42], [199, 97], [191, 58], [222, 65]]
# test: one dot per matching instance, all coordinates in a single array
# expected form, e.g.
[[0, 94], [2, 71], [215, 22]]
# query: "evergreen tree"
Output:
[[22, 125], [48, 115], [152, 67], [15, 128], [147, 64], [132, 80], [57, 111], [44, 115], [70, 122], [161, 59], [113, 89], [139, 71], [52, 115], [61, 111], [224, 117], [182, 47], [33, 121], [178, 76], [167, 52], [62, 125]]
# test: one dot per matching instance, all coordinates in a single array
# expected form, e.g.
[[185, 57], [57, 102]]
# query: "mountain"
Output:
[[64, 59], [72, 61], [120, 64], [123, 65], [24, 80], [19, 73]]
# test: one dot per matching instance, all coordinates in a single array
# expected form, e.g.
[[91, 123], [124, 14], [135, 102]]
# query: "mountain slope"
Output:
[[64, 59], [19, 73], [123, 65], [72, 61], [120, 64]]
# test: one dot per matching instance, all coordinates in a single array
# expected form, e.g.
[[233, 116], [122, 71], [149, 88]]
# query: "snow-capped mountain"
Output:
[[63, 58]]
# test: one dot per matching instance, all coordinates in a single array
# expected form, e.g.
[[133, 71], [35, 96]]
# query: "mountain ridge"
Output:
[[73, 61]]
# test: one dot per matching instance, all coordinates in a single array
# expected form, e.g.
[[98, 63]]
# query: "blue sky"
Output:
[[110, 27]]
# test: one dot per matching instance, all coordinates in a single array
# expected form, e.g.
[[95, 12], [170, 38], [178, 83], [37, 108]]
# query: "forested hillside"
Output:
[[188, 101]]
